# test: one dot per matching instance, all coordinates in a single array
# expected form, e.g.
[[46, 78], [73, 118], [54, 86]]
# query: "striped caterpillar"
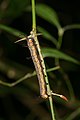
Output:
[[38, 65], [38, 61]]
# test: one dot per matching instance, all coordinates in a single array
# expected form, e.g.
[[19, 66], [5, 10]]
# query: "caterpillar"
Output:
[[38, 61], [38, 65]]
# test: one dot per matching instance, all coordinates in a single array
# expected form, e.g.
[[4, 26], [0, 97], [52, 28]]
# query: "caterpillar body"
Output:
[[38, 65]]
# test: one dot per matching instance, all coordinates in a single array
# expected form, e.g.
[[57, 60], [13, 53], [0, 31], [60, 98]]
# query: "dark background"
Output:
[[23, 101]]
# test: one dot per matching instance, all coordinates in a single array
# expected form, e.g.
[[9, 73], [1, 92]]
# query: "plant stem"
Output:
[[43, 64], [73, 26], [73, 115], [29, 75], [33, 15], [60, 36]]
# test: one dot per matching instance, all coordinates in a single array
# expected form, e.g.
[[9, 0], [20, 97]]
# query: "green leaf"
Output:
[[47, 35], [48, 14], [49, 52], [12, 31]]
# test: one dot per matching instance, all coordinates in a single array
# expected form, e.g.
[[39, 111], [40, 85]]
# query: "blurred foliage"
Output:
[[10, 9], [22, 102]]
